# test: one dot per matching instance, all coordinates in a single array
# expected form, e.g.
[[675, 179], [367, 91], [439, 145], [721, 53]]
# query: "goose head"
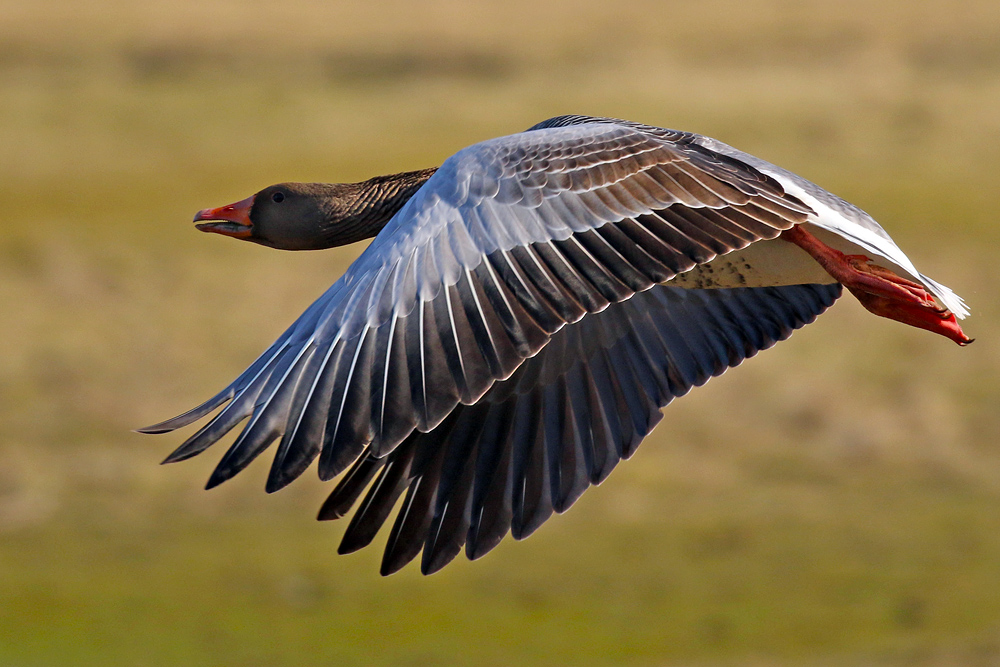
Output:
[[313, 216]]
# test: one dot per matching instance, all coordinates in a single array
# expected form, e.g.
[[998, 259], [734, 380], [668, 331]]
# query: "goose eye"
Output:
[[278, 197]]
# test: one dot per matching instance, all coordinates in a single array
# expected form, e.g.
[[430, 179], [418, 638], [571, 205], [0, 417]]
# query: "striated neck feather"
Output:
[[358, 211]]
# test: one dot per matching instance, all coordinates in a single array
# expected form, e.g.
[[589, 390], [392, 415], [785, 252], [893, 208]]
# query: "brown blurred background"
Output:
[[835, 502]]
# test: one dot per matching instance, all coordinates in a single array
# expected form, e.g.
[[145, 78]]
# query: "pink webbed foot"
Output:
[[881, 291]]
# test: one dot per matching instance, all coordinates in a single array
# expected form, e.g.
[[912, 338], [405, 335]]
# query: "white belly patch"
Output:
[[762, 264]]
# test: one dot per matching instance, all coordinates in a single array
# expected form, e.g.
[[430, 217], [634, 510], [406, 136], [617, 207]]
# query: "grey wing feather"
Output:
[[507, 243]]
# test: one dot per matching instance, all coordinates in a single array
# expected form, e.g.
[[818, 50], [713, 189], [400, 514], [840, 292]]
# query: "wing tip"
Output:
[[189, 417], [166, 426], [155, 429]]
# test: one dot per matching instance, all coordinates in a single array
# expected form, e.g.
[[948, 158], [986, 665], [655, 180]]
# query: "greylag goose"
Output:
[[522, 315]]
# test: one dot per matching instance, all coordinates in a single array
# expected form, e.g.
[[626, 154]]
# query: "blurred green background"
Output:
[[834, 502]]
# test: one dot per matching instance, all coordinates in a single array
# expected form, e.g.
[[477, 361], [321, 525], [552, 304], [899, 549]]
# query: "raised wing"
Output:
[[507, 243]]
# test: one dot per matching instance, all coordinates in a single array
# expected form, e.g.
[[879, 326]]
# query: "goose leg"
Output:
[[881, 291]]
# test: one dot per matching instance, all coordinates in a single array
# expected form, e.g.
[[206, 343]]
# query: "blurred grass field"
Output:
[[834, 502]]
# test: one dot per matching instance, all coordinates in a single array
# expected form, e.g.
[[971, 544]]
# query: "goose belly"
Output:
[[763, 264]]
